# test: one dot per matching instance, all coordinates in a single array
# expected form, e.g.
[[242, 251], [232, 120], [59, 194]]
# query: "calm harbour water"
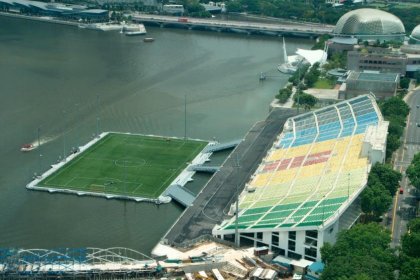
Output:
[[58, 79]]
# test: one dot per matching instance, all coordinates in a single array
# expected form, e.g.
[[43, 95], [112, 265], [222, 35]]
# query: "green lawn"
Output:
[[324, 83], [133, 165]]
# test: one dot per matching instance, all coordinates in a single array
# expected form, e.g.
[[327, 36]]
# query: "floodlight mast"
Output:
[[64, 135], [97, 115], [185, 116], [237, 241]]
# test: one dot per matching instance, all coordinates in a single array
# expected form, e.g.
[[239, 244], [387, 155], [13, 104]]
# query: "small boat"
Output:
[[27, 147], [148, 40]]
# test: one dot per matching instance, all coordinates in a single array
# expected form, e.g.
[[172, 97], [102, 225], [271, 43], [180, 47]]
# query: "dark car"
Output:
[[401, 190]]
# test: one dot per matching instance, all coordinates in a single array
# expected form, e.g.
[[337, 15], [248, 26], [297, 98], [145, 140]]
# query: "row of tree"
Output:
[[360, 253], [363, 253], [413, 172], [410, 252], [395, 110], [382, 184]]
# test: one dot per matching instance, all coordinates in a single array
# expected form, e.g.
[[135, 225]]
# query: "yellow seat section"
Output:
[[289, 153]]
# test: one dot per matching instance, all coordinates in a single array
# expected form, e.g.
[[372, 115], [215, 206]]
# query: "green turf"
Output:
[[323, 83], [123, 164]]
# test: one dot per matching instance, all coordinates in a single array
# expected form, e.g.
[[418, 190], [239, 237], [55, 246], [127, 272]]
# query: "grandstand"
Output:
[[298, 197]]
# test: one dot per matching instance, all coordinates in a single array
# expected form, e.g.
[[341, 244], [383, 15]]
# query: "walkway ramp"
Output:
[[180, 194], [222, 146], [204, 168]]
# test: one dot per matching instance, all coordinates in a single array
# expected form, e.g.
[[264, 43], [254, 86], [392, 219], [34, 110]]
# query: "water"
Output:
[[60, 81]]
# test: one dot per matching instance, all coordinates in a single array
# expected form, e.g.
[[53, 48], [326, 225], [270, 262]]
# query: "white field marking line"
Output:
[[75, 160], [164, 182], [180, 146], [139, 186]]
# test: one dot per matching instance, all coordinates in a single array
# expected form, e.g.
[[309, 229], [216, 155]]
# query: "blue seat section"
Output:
[[330, 125], [329, 131], [287, 140], [348, 127], [363, 121]]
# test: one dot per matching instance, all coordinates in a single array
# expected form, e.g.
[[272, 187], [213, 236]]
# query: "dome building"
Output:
[[370, 24], [415, 35]]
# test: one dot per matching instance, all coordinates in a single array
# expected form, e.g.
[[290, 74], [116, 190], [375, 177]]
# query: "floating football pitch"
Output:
[[126, 164]]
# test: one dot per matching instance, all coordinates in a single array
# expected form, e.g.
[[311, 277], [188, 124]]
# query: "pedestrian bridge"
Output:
[[180, 194], [222, 146], [75, 263], [204, 168]]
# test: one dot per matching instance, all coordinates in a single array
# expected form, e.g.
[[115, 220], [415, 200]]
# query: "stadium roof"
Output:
[[369, 22], [314, 170]]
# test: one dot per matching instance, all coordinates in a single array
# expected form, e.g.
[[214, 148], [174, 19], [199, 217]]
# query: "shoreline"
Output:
[[40, 19]]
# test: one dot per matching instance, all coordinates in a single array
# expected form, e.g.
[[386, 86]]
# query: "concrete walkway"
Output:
[[213, 202]]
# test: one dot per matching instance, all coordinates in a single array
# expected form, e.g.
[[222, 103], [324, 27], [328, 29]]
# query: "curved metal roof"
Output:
[[368, 22]]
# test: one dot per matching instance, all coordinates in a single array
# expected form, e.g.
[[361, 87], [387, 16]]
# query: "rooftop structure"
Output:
[[382, 85], [370, 24], [54, 9], [312, 175]]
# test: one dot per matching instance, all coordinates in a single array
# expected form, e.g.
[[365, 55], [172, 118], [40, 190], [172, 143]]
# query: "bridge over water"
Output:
[[246, 27], [75, 263]]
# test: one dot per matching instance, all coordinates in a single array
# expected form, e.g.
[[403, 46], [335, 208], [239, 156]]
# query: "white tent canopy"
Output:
[[313, 56]]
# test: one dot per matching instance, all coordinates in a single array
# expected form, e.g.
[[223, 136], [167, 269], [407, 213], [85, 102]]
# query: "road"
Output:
[[404, 204], [217, 23]]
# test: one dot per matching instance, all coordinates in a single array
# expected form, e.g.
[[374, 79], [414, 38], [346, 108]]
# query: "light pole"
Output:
[[39, 165], [323, 209], [97, 115], [185, 116], [237, 241], [78, 140], [38, 133], [348, 185], [64, 136]]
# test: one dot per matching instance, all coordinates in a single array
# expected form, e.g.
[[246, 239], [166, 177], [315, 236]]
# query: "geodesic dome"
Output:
[[369, 24]]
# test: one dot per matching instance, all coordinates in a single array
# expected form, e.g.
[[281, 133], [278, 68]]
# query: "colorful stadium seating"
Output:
[[312, 170]]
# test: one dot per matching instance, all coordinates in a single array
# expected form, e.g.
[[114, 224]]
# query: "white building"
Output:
[[306, 188]]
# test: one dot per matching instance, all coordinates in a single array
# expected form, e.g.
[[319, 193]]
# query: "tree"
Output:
[[395, 106], [395, 127], [413, 171], [410, 269], [387, 176], [312, 75], [411, 240], [404, 82], [375, 200], [234, 6], [305, 99], [417, 76], [320, 42], [392, 144], [360, 253], [284, 94]]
